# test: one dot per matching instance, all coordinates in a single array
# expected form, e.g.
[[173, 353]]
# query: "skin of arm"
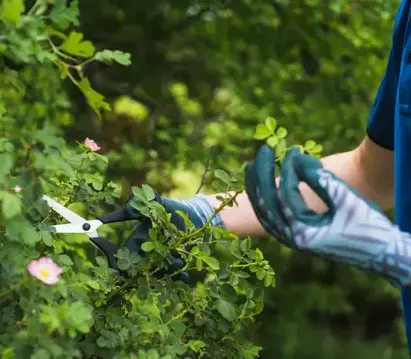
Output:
[[369, 169]]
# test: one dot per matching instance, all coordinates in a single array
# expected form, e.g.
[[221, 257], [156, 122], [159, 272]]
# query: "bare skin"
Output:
[[369, 168]]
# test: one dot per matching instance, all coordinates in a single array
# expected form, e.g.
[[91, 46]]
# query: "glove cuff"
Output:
[[205, 210]]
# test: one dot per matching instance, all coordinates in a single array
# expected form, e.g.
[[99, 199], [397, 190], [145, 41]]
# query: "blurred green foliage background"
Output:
[[203, 75]]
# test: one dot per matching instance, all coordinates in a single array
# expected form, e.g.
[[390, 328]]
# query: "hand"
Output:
[[353, 230], [197, 209]]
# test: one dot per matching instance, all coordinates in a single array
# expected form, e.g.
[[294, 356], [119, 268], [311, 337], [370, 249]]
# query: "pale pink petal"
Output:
[[32, 267], [51, 280], [45, 270], [44, 261], [91, 144], [56, 270]]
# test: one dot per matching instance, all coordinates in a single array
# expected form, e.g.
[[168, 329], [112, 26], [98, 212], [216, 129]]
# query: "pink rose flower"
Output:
[[45, 270], [91, 144]]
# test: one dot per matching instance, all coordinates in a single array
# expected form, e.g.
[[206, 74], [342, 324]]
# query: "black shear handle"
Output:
[[120, 215], [134, 242], [108, 248], [139, 235]]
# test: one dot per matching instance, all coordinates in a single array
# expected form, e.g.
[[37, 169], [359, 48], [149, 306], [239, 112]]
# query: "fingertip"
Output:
[[265, 154]]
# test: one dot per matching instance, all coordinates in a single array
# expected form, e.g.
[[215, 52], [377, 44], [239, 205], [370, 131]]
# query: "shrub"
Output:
[[90, 310]]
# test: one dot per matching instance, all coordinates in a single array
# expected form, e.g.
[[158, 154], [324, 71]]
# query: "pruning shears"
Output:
[[79, 224]]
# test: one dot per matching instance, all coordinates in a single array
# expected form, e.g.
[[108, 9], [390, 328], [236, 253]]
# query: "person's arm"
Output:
[[369, 169]]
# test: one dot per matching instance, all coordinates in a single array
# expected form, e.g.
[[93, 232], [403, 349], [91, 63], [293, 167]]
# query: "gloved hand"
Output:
[[198, 209], [353, 231]]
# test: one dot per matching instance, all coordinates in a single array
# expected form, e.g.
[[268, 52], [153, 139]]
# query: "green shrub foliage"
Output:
[[90, 310]]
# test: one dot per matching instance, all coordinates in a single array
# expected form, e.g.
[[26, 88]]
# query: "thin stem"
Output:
[[216, 212], [206, 170], [128, 283], [62, 54], [34, 8]]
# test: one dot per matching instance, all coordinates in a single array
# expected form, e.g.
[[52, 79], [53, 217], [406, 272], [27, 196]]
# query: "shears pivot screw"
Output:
[[86, 226]]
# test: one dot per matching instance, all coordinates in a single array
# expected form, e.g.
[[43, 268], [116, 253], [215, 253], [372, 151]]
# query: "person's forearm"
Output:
[[351, 166], [241, 218]]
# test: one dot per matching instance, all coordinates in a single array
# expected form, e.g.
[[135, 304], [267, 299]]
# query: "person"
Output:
[[333, 207]]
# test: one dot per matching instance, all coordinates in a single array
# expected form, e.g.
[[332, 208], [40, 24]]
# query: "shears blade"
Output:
[[86, 227], [63, 211]]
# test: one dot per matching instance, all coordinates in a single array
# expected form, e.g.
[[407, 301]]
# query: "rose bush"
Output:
[[58, 297]]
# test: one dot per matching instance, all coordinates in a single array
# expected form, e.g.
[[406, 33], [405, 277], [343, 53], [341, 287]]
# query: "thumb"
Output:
[[262, 191], [299, 167]]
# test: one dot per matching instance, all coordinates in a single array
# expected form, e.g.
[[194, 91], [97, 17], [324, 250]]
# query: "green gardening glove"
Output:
[[353, 231]]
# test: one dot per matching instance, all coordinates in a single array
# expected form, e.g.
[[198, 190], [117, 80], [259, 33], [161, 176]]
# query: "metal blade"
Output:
[[63, 211], [86, 227]]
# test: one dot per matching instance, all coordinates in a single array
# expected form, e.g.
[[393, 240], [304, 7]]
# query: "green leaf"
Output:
[[139, 194], [272, 141], [80, 316], [109, 56], [316, 149], [92, 156], [21, 230], [199, 264], [74, 45], [63, 16], [281, 133], [243, 274], [148, 246], [47, 238], [10, 205], [259, 254], [260, 274], [148, 192], [6, 163], [245, 245], [95, 99], [234, 279], [228, 292], [196, 345], [101, 342], [268, 279], [178, 326], [226, 309], [152, 354], [222, 175], [271, 123], [95, 179], [212, 262], [102, 157], [262, 132], [102, 262], [11, 10], [65, 259], [123, 264], [93, 284], [309, 145]]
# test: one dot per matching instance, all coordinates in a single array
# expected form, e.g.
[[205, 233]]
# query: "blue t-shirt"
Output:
[[390, 126]]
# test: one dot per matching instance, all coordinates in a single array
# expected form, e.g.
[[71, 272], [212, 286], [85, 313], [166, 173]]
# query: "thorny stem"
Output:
[[216, 212], [206, 170], [127, 284]]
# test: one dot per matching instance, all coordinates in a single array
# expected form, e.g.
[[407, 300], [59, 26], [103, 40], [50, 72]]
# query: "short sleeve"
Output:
[[380, 128]]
